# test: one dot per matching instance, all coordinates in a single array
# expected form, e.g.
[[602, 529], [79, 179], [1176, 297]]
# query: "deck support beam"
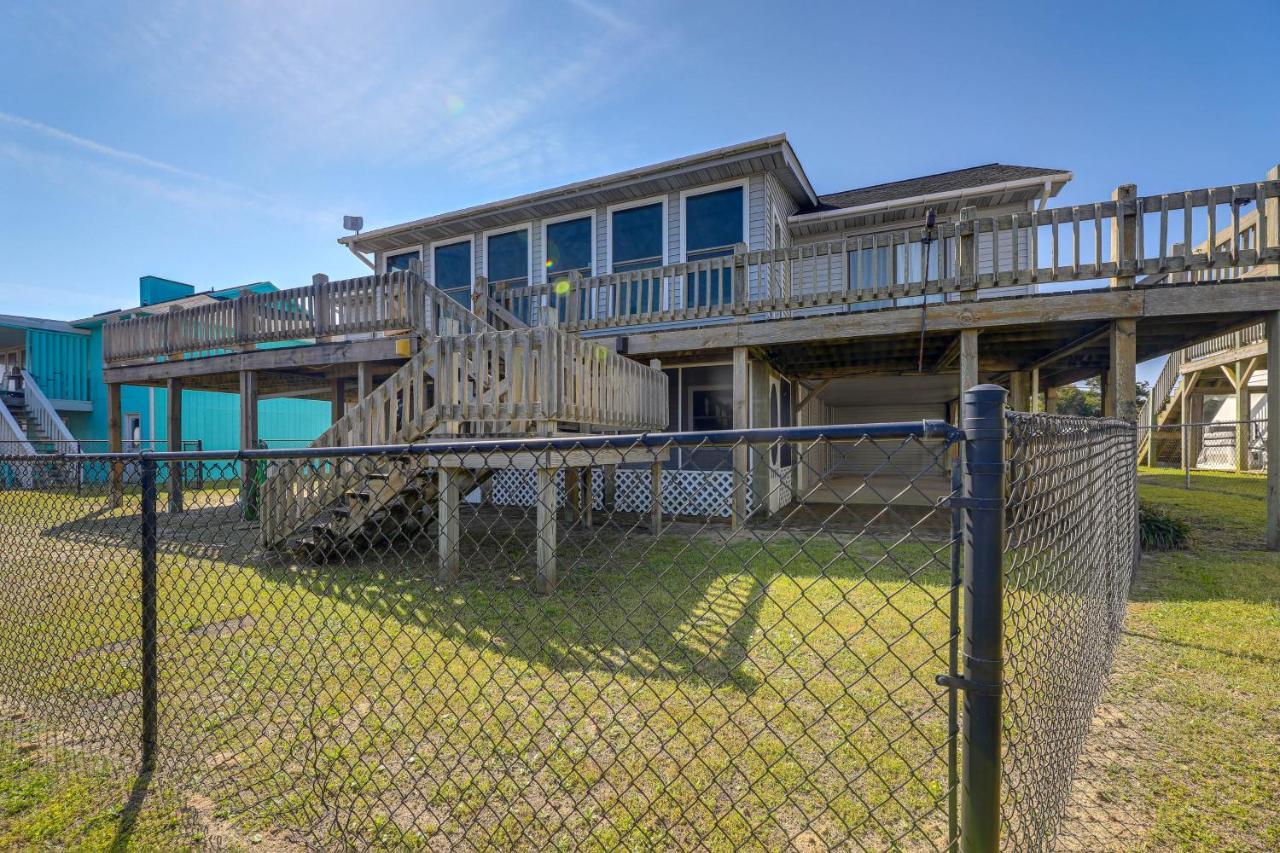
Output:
[[1120, 393], [337, 399], [364, 380], [1273, 430], [545, 583], [115, 444], [249, 441], [968, 360], [1239, 378], [173, 418], [1019, 390], [449, 527], [741, 420]]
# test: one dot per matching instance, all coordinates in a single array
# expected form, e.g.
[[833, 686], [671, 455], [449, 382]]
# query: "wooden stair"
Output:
[[467, 380]]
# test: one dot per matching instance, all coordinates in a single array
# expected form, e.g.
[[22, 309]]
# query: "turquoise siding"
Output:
[[209, 416], [60, 363]]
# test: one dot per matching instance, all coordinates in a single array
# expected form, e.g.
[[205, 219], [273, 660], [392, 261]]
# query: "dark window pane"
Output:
[[713, 219], [451, 265], [460, 294], [401, 261], [508, 256], [569, 246], [637, 234]]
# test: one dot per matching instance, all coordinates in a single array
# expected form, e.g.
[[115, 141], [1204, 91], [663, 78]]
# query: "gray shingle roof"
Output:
[[959, 179]]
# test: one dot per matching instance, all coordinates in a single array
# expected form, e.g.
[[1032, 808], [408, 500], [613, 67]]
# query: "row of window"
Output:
[[714, 222]]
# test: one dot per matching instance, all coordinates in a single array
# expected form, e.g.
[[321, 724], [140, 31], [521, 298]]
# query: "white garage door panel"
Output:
[[870, 456]]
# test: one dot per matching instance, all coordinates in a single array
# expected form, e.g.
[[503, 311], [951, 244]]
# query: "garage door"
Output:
[[870, 456]]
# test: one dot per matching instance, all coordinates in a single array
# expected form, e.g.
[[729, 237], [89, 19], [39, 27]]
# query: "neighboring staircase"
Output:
[[30, 426], [466, 380]]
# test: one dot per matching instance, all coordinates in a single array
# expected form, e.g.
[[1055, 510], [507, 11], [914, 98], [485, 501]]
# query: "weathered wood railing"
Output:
[[481, 384], [1118, 239], [377, 303]]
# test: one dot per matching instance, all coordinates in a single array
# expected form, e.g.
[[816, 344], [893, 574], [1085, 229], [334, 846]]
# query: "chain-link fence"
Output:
[[1228, 457], [1070, 555], [669, 641]]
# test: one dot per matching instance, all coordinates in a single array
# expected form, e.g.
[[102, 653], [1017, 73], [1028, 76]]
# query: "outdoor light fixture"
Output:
[[353, 223]]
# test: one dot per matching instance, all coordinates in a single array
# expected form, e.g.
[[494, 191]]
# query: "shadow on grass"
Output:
[[686, 605]]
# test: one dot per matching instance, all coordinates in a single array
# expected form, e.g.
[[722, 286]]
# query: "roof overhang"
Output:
[[943, 203], [772, 154], [13, 321]]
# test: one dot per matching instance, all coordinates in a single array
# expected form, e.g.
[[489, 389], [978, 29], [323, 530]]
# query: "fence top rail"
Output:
[[922, 429]]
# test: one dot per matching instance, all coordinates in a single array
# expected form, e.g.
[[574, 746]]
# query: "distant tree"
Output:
[[1085, 398]]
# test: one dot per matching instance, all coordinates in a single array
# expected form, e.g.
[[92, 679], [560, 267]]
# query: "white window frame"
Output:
[[390, 253], [588, 214], [437, 244], [527, 228], [744, 183], [627, 205]]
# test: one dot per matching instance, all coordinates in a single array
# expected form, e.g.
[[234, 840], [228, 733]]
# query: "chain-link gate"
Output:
[[713, 640]]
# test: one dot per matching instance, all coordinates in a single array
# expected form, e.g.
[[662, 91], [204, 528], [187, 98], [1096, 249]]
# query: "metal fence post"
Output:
[[983, 501], [149, 672]]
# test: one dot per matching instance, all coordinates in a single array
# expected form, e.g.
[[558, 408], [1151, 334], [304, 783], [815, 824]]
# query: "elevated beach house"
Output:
[[722, 290]]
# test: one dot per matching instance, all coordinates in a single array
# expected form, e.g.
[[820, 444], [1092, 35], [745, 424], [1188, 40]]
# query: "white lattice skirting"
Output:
[[696, 493]]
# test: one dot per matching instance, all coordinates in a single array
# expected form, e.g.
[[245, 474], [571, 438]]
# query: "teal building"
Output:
[[54, 368]]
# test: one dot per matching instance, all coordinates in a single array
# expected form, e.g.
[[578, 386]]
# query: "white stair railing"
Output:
[[46, 416]]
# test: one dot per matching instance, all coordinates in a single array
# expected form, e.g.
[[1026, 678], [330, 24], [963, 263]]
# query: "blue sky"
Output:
[[219, 143]]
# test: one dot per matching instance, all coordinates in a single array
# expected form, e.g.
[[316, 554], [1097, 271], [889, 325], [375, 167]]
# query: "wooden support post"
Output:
[[655, 498], [1018, 391], [572, 495], [1273, 430], [967, 254], [546, 512], [449, 525], [173, 418], [1051, 399], [364, 380], [1122, 373], [1244, 409], [1124, 231], [741, 383], [588, 496], [115, 444], [610, 488], [337, 399], [1035, 389], [249, 441], [968, 360]]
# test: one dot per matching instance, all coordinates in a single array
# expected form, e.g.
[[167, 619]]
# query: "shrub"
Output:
[[1160, 531]]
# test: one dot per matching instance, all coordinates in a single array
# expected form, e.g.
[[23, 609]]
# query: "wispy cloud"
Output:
[[184, 187], [467, 87]]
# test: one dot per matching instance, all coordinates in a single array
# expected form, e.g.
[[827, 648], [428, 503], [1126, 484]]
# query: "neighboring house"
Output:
[[54, 393]]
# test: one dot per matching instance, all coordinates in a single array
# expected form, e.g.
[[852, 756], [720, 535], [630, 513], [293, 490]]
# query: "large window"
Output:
[[637, 236], [400, 262], [451, 270], [507, 256], [713, 226], [569, 247]]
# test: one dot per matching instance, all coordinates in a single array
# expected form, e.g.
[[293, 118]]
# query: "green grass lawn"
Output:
[[1187, 751], [674, 690], [690, 688]]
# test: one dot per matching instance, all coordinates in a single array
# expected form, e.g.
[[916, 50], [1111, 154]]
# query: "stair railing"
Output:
[[46, 416]]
